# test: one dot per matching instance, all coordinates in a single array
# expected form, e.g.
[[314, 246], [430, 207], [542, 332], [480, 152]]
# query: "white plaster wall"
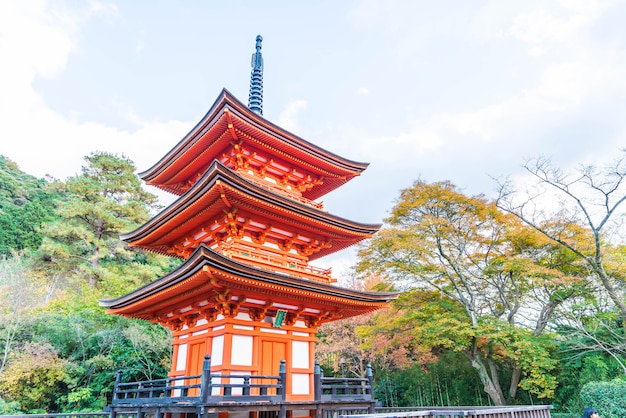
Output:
[[300, 354], [215, 391], [236, 380], [300, 384], [242, 350], [181, 360], [217, 351]]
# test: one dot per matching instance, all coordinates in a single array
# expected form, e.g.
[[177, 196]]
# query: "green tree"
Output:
[[96, 345], [34, 376], [95, 207], [482, 281], [25, 203]]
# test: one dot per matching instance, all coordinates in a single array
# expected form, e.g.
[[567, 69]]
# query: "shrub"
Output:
[[609, 398]]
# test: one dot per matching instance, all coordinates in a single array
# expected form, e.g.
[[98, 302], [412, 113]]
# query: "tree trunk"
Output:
[[96, 251], [610, 289], [515, 378], [492, 389]]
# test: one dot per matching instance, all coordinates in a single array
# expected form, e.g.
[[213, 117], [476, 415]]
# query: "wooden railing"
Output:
[[342, 388], [201, 389], [281, 263], [539, 411], [208, 388], [282, 190]]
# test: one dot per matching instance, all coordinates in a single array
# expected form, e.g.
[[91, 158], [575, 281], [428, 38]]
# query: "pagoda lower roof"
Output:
[[221, 190], [208, 279], [230, 120]]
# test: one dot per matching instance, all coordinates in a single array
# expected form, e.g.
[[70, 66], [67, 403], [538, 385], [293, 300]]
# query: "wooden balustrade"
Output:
[[538, 411], [201, 389]]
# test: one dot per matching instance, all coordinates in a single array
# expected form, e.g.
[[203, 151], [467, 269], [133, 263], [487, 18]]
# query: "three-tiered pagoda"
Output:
[[247, 223]]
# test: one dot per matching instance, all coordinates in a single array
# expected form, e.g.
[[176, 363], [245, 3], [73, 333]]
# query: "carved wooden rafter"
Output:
[[174, 323], [258, 314], [259, 237], [311, 248], [227, 306], [317, 320]]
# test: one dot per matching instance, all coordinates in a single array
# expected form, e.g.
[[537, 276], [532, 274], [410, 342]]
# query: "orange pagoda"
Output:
[[245, 305]]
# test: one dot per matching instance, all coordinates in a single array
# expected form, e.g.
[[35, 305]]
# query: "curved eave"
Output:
[[338, 170], [219, 175], [174, 284]]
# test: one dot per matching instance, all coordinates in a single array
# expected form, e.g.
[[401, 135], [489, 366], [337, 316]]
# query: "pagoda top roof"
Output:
[[206, 271], [220, 188], [227, 121]]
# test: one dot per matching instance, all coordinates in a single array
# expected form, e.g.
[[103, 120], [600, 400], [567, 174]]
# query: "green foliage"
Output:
[[96, 345], [96, 206], [20, 292], [61, 350], [472, 267], [609, 398], [25, 203], [439, 324], [447, 381], [575, 371], [9, 408], [35, 375]]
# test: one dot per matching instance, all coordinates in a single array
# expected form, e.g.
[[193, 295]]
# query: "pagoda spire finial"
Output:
[[255, 100]]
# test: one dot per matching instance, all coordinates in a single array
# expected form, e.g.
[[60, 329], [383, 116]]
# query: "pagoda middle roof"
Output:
[[220, 188], [210, 137], [206, 270]]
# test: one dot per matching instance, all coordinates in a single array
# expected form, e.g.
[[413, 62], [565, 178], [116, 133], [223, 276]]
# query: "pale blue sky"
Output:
[[442, 90]]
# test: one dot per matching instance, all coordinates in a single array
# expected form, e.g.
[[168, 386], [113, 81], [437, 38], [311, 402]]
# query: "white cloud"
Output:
[[288, 118], [37, 41], [362, 91], [33, 41]]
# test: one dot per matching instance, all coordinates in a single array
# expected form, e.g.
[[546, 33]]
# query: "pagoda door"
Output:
[[195, 362], [272, 352]]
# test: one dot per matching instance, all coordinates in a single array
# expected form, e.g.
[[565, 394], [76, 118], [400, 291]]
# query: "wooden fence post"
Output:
[[282, 373], [205, 380], [370, 382], [317, 382], [118, 380], [317, 389]]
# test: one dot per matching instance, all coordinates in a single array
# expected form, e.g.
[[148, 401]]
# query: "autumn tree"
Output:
[[341, 350], [34, 376], [582, 212], [480, 283], [97, 205], [19, 294]]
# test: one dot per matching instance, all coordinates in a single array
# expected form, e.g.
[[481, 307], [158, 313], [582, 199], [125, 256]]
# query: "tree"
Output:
[[35, 375], [592, 197], [342, 351], [25, 203], [481, 283], [582, 212], [97, 205], [95, 345], [19, 294]]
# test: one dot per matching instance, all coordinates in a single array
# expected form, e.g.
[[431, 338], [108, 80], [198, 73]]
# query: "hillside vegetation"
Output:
[[504, 301]]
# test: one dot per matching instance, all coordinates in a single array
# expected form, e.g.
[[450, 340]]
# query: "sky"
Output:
[[458, 90]]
